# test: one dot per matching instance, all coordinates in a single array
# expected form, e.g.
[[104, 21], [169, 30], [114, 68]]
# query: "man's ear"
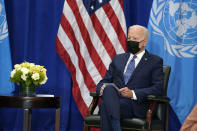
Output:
[[145, 42]]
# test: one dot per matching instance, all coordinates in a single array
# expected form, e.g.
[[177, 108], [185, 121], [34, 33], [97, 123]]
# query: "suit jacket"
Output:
[[147, 79]]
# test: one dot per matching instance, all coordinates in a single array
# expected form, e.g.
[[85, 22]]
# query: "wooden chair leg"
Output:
[[85, 128]]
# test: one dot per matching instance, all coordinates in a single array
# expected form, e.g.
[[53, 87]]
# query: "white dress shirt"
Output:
[[137, 60]]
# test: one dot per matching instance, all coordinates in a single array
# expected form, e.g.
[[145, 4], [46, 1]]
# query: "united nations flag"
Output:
[[173, 36], [6, 88]]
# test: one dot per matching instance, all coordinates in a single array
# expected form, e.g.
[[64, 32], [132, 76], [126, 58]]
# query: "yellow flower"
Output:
[[17, 66], [31, 65], [44, 81], [25, 70], [12, 73], [35, 76], [24, 77]]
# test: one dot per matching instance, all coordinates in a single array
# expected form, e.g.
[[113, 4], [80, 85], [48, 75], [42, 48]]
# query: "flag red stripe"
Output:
[[103, 36], [76, 91], [86, 37], [70, 33], [115, 23]]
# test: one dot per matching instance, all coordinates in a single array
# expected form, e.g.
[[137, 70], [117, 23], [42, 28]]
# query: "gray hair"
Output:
[[146, 34]]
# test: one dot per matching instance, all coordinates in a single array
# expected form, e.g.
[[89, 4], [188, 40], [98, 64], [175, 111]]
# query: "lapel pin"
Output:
[[145, 59]]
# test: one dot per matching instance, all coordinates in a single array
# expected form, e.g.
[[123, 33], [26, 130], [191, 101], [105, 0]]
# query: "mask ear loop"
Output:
[[143, 44], [141, 40]]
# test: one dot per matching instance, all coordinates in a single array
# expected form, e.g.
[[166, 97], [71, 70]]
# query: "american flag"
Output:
[[91, 32]]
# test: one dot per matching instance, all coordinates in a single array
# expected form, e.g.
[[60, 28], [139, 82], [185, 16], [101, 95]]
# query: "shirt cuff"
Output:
[[134, 96]]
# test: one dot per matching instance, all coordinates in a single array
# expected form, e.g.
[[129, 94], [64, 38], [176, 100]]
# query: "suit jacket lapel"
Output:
[[142, 62]]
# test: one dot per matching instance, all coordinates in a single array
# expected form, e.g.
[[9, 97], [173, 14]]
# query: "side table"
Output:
[[27, 103]]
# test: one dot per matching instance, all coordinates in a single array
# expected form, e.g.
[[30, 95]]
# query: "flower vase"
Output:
[[27, 91]]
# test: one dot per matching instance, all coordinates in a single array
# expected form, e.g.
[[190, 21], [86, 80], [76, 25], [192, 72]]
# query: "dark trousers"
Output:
[[113, 106]]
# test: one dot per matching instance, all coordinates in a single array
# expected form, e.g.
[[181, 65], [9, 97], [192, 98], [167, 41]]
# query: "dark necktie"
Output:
[[130, 69]]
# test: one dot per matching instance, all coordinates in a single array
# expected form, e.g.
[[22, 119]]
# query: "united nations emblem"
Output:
[[3, 23], [176, 22]]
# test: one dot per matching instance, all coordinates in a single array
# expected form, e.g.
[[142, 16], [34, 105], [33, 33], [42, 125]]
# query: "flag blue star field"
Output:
[[173, 36], [91, 32], [6, 87]]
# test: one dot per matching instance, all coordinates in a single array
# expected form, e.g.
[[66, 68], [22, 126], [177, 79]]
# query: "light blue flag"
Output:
[[173, 36], [6, 87]]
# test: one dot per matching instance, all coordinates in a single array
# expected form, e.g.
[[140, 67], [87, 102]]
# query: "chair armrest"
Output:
[[162, 99], [154, 100], [93, 104], [93, 93]]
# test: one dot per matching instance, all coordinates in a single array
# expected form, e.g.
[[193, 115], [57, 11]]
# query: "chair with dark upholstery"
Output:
[[156, 118]]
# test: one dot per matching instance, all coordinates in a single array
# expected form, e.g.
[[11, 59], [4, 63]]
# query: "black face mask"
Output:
[[133, 46]]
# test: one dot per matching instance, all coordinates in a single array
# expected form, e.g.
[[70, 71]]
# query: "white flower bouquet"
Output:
[[28, 75]]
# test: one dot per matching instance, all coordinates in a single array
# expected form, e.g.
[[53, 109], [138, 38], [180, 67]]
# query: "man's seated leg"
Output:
[[116, 125], [110, 109], [105, 118], [126, 109]]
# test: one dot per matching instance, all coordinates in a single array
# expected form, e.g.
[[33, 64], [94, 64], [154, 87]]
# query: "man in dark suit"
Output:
[[137, 74]]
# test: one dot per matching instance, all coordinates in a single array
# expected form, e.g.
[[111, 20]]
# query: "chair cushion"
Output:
[[92, 120], [134, 123], [157, 125]]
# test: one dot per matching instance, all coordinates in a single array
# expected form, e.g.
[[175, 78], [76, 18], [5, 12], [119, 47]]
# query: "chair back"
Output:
[[161, 109], [166, 71]]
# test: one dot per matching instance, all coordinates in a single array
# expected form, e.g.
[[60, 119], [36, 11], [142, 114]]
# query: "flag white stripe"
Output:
[[79, 76]]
